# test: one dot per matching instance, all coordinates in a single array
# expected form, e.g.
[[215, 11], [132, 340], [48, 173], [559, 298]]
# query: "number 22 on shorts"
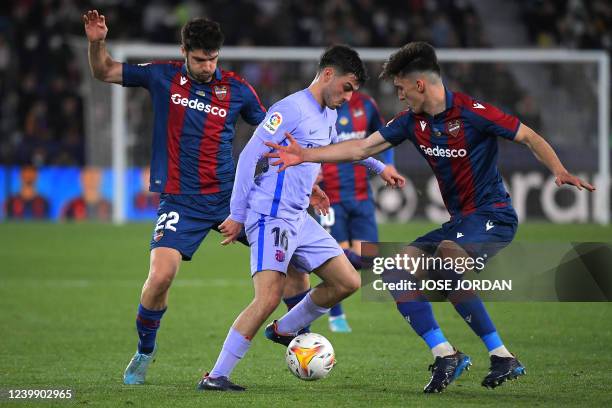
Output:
[[167, 221]]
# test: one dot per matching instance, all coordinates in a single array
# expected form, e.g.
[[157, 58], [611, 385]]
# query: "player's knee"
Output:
[[160, 279], [158, 284], [447, 248], [351, 284]]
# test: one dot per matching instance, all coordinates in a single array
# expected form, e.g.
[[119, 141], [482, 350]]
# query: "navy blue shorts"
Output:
[[483, 232], [184, 220], [351, 220]]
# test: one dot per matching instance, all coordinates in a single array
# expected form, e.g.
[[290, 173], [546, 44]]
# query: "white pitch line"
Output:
[[85, 283]]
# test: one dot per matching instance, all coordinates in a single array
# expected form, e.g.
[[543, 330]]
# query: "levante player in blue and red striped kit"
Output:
[[196, 106], [457, 136]]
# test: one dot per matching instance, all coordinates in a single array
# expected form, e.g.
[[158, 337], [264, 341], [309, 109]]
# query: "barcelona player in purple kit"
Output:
[[196, 106], [456, 135], [272, 207]]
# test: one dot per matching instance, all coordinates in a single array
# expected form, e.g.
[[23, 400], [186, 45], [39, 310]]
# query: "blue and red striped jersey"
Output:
[[460, 146], [358, 118], [194, 125]]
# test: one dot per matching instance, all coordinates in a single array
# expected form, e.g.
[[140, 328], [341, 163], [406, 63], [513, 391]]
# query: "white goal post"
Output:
[[125, 51]]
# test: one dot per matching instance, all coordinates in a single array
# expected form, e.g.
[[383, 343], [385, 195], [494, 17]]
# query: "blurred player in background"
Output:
[[90, 205], [272, 207], [196, 106], [352, 216], [27, 204], [457, 135]]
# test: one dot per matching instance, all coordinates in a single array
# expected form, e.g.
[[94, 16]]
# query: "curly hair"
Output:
[[202, 34], [413, 57], [346, 60]]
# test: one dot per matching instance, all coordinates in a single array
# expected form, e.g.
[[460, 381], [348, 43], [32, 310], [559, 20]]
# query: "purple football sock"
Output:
[[234, 348], [301, 315]]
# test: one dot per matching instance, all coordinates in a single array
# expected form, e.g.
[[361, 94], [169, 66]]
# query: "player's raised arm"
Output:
[[349, 151], [103, 67], [544, 152]]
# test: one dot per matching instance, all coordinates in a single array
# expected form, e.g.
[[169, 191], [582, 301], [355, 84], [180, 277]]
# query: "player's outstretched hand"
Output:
[[291, 155], [95, 26], [391, 176], [568, 178], [230, 229], [319, 200]]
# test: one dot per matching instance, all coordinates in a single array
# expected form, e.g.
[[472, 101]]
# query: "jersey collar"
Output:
[[216, 77]]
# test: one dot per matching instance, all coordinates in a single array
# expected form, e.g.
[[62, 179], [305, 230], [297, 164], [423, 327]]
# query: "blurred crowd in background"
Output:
[[42, 109]]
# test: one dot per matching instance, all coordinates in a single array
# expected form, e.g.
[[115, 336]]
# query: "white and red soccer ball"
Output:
[[310, 356]]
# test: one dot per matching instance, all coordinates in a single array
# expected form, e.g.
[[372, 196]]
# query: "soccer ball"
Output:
[[310, 356]]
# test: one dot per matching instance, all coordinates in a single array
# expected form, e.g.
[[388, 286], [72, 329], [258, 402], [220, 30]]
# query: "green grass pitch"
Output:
[[68, 297]]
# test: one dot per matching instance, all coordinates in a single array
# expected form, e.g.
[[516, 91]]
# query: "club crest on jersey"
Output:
[[273, 122], [200, 92], [343, 121], [220, 91], [280, 255], [158, 235], [453, 127], [358, 112]]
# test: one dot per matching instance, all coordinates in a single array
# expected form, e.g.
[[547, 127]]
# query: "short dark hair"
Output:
[[346, 60], [413, 57], [202, 34]]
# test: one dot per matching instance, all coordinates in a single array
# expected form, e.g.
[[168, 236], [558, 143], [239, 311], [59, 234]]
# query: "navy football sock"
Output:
[[336, 310], [290, 302], [472, 310], [415, 308], [420, 316], [147, 324], [353, 258]]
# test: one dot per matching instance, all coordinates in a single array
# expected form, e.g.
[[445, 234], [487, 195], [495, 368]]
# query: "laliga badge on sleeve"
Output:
[[273, 122]]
